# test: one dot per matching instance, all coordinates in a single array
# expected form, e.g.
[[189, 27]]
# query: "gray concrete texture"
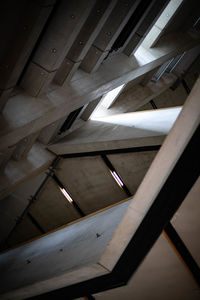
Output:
[[162, 274], [89, 182], [59, 252], [12, 207], [119, 131], [132, 167]]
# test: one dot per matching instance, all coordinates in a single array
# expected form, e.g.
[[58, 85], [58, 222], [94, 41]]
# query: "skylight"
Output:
[[164, 19]]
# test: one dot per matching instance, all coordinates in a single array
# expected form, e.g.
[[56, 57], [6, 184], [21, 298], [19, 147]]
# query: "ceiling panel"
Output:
[[51, 209], [25, 231], [132, 167], [89, 182]]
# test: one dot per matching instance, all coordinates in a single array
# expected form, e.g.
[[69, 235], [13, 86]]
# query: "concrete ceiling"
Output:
[[67, 58]]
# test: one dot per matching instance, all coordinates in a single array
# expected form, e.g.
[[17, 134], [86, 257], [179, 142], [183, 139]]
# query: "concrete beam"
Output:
[[86, 264], [66, 249], [48, 133], [5, 155], [24, 146], [24, 19], [62, 30], [84, 40], [88, 110], [137, 129], [17, 172], [166, 159], [134, 97], [24, 115], [108, 34]]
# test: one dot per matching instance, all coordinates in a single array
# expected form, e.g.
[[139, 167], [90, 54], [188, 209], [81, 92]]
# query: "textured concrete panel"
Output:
[[89, 183], [52, 209], [132, 167], [60, 258]]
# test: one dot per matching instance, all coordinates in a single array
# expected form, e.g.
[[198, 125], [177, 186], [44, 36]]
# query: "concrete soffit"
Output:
[[159, 194]]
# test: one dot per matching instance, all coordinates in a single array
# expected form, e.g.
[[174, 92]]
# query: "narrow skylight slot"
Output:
[[117, 179], [158, 28], [65, 193], [109, 98]]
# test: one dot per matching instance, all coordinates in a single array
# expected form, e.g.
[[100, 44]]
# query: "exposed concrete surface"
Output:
[[11, 208], [132, 167], [45, 261], [51, 209], [119, 131], [161, 276], [89, 182], [15, 173]]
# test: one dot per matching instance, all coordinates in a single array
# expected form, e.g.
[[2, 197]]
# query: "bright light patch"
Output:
[[152, 121], [117, 179], [109, 98], [65, 193], [106, 101]]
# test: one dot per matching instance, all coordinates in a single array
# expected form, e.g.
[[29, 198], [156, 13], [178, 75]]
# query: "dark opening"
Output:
[[70, 120]]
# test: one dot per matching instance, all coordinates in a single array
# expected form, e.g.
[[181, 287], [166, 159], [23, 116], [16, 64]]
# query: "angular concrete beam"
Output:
[[89, 108], [84, 40], [151, 208], [48, 133], [25, 19], [17, 172], [165, 161], [62, 30], [139, 129], [108, 34], [24, 115], [133, 98], [24, 146], [71, 258]]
